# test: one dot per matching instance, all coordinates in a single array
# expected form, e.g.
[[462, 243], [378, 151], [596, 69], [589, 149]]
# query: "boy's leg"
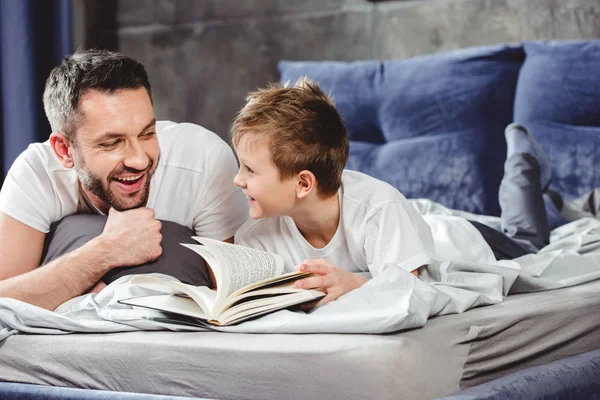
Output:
[[523, 215], [519, 140], [503, 247], [524, 222], [554, 206]]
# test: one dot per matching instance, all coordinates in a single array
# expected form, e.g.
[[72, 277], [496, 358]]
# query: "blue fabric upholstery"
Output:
[[21, 391], [575, 377], [558, 100], [574, 154], [432, 126], [558, 83]]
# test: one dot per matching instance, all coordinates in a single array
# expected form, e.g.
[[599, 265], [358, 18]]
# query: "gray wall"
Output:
[[203, 56]]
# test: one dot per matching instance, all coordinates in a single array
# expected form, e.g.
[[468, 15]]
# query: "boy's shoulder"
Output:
[[371, 192], [258, 227]]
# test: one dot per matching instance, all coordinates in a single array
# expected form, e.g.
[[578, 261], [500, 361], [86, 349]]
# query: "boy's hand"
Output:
[[331, 280]]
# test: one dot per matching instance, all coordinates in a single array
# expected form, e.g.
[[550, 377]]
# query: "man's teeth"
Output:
[[129, 178]]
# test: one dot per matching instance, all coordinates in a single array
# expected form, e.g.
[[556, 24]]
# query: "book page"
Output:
[[221, 274], [267, 305], [246, 266], [203, 296], [271, 290], [169, 303]]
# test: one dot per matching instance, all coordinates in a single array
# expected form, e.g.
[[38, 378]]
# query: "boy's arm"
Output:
[[397, 234], [129, 238], [330, 279]]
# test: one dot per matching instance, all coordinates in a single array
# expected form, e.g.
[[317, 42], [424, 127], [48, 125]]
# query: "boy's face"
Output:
[[258, 177]]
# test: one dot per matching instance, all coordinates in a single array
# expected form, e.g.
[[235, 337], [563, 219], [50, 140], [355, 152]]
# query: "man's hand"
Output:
[[133, 236], [331, 280]]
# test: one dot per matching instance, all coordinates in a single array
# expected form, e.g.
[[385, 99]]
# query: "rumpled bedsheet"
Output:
[[391, 301]]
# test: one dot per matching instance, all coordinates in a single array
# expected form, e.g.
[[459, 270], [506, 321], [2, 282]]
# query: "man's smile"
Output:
[[129, 184]]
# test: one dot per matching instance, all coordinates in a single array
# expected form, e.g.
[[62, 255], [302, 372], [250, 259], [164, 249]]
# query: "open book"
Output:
[[249, 283]]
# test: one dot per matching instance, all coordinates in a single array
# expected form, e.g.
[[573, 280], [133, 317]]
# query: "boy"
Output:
[[344, 226], [341, 225]]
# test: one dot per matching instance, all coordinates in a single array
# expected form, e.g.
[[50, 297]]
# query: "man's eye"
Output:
[[108, 145], [149, 134]]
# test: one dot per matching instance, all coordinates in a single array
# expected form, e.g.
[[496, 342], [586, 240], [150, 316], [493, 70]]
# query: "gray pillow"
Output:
[[184, 264]]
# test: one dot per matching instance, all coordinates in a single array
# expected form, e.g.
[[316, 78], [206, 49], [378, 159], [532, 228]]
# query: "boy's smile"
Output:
[[259, 178]]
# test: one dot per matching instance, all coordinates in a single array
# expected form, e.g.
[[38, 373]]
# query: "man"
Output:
[[104, 157]]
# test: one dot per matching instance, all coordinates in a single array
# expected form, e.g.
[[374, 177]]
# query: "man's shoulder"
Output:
[[174, 130], [38, 158], [189, 146], [38, 190]]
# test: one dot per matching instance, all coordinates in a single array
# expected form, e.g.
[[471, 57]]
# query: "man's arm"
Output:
[[64, 278], [20, 247], [129, 238]]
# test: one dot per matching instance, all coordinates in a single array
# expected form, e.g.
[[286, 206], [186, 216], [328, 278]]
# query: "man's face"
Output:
[[260, 181], [116, 149]]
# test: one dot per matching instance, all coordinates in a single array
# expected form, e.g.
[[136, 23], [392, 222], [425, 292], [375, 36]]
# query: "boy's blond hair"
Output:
[[303, 128]]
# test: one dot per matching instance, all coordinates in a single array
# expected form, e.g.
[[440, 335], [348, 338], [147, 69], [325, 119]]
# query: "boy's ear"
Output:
[[62, 149], [306, 184]]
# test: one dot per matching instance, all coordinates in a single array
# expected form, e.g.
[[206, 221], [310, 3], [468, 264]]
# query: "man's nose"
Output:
[[136, 157]]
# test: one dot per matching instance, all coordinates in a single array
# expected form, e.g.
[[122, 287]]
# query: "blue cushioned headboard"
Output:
[[432, 126], [558, 99]]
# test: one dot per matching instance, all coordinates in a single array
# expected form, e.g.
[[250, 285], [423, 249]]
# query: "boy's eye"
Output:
[[249, 169]]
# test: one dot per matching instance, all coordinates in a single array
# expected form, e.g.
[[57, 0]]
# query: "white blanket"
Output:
[[391, 301]]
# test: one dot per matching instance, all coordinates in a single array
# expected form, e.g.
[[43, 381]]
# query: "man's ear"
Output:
[[62, 148], [306, 184]]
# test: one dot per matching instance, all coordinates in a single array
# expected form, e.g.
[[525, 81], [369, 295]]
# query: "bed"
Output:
[[449, 353]]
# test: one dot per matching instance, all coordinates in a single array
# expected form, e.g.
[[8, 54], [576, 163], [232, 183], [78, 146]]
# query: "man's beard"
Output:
[[95, 185]]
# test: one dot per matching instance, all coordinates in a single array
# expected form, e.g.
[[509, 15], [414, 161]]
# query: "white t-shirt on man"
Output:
[[377, 226], [192, 186]]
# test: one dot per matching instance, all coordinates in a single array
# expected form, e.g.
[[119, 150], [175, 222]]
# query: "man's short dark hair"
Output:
[[102, 70]]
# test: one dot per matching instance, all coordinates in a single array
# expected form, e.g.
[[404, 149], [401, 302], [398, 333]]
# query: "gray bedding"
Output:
[[450, 352]]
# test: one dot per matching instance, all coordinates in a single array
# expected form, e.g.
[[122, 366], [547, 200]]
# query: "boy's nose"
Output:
[[238, 181]]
